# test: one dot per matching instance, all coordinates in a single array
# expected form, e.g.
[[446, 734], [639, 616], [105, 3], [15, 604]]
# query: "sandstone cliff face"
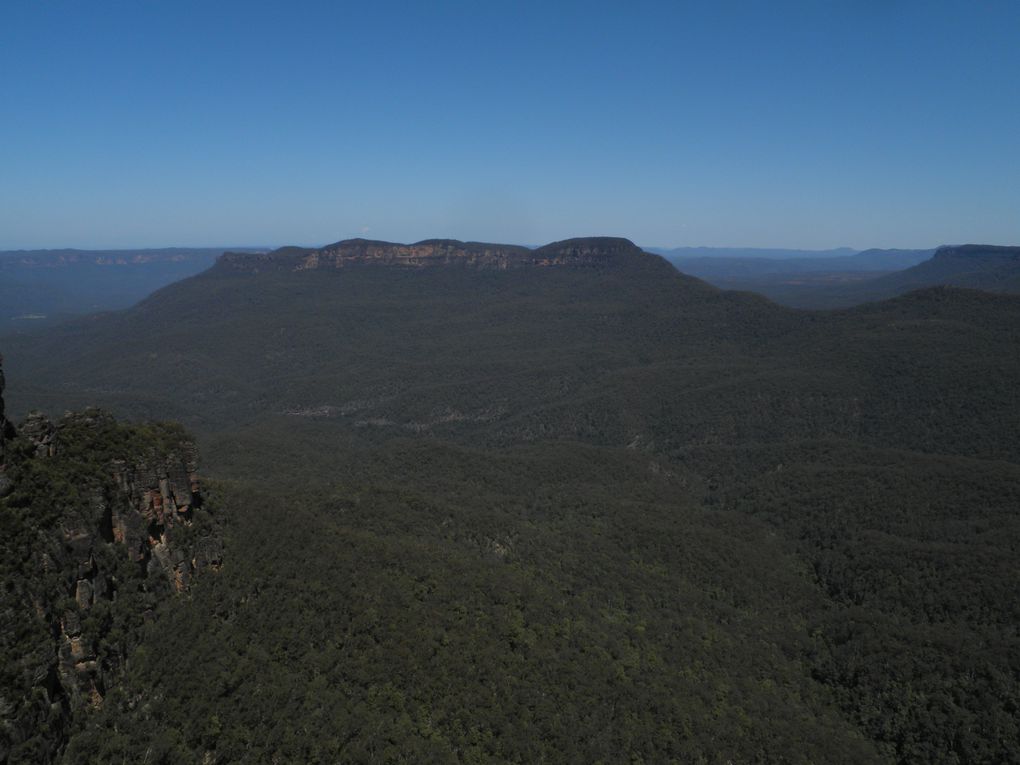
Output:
[[101, 523], [600, 252], [428, 253]]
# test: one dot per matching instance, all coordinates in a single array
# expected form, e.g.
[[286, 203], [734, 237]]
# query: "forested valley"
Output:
[[562, 505]]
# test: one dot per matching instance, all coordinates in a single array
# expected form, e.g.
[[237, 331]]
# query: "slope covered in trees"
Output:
[[611, 354]]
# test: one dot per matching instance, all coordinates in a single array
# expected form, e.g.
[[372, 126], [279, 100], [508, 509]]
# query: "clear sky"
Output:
[[781, 123]]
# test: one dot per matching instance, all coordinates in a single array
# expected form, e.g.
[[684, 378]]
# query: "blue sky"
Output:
[[813, 123]]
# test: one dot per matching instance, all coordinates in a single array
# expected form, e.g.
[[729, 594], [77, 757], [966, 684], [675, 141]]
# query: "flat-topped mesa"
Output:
[[984, 251], [590, 252], [283, 259]]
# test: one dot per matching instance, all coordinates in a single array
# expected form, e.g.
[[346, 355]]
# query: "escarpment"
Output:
[[587, 252], [99, 523]]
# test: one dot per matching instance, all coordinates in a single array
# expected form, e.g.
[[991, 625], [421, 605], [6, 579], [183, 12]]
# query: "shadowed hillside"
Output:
[[610, 350], [977, 266]]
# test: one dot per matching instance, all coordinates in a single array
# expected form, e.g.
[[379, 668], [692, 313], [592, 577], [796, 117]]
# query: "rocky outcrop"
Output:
[[40, 433], [592, 252], [103, 521], [432, 252]]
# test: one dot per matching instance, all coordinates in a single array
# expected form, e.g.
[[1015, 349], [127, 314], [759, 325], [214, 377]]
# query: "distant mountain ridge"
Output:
[[767, 253], [73, 256], [991, 268], [723, 270], [868, 276], [584, 252], [42, 286]]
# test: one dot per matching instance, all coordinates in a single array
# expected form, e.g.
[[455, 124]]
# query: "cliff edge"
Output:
[[99, 523], [585, 252]]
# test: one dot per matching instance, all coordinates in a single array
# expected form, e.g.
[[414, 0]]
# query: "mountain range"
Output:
[[492, 503], [977, 266], [716, 268], [750, 253], [40, 287], [868, 276]]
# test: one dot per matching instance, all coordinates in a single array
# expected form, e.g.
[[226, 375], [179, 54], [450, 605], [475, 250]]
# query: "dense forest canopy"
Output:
[[583, 510]]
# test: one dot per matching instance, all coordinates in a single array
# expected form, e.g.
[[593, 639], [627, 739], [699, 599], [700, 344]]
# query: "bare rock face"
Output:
[[38, 429], [429, 253], [591, 252], [104, 521]]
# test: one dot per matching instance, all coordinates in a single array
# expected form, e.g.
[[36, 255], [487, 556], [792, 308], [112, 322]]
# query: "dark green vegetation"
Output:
[[569, 514], [865, 277], [39, 287], [86, 554]]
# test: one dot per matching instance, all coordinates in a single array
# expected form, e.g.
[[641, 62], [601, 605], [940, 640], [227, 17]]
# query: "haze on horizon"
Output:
[[785, 124]]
